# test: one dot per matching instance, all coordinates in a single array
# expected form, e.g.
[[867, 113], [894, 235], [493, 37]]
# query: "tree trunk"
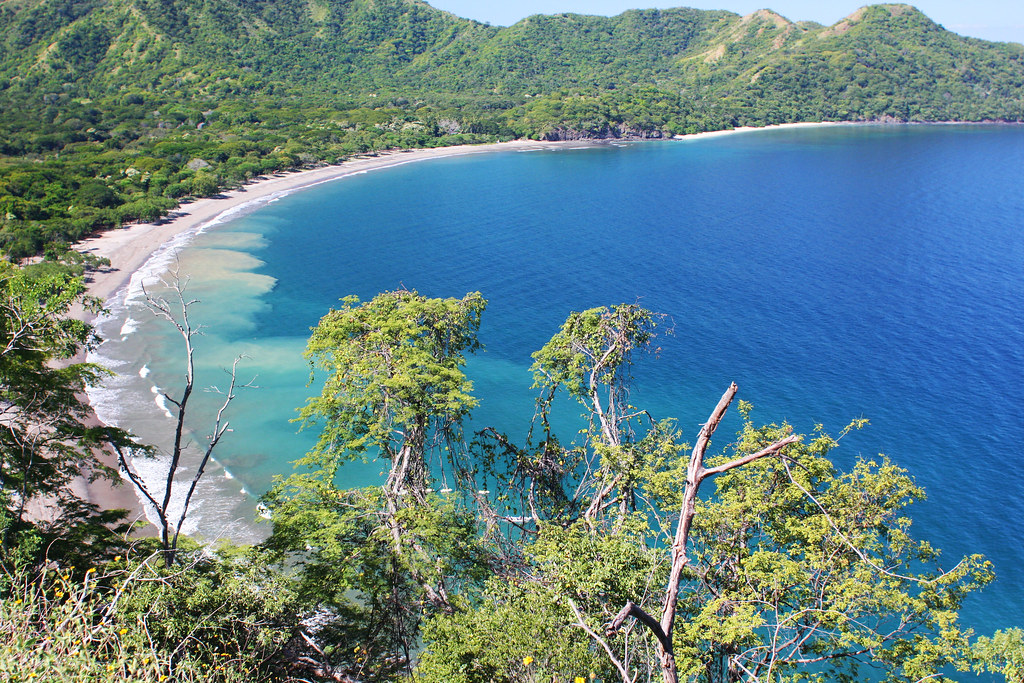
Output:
[[695, 474]]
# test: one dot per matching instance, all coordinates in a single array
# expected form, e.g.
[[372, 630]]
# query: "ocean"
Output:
[[834, 273]]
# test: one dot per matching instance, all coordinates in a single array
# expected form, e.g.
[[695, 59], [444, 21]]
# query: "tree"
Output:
[[45, 441], [793, 570], [395, 386], [395, 392], [203, 184], [598, 470], [166, 505], [696, 473], [590, 358]]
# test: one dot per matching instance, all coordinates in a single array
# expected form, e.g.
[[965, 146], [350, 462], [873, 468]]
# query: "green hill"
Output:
[[106, 102]]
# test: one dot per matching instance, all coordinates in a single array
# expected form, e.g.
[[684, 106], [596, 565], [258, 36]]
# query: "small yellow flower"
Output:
[[123, 631], [91, 570], [527, 660], [579, 679]]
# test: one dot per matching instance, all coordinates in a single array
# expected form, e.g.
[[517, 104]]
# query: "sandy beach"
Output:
[[750, 129]]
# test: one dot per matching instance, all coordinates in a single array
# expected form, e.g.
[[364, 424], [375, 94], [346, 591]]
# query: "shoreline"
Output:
[[774, 126], [130, 248]]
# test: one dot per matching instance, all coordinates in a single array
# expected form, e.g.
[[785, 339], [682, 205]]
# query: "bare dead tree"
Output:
[[695, 475], [176, 312]]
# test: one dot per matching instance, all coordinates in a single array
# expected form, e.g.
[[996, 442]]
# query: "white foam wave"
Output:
[[106, 400], [130, 326], [161, 401], [144, 371]]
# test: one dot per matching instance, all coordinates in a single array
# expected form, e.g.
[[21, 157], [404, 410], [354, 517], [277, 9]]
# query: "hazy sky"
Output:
[[989, 19]]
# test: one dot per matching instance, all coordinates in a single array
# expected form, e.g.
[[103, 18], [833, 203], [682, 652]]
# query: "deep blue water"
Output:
[[833, 273]]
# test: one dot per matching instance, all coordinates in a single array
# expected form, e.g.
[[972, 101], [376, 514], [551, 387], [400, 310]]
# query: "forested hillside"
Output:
[[115, 109]]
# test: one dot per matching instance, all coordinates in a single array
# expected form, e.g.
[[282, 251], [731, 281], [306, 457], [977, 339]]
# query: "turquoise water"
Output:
[[833, 273]]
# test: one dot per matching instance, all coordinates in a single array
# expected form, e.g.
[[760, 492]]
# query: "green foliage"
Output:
[[253, 608], [590, 359], [45, 442], [593, 349], [528, 626], [368, 592], [395, 381], [795, 561], [218, 618], [376, 560], [1003, 653], [797, 571]]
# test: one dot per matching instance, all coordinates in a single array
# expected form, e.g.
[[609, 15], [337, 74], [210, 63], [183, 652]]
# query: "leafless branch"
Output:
[[581, 622], [178, 316]]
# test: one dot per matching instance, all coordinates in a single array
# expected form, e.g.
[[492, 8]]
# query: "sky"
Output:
[[989, 19]]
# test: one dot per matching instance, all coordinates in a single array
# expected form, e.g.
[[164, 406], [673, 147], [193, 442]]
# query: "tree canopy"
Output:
[[790, 570], [592, 552]]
